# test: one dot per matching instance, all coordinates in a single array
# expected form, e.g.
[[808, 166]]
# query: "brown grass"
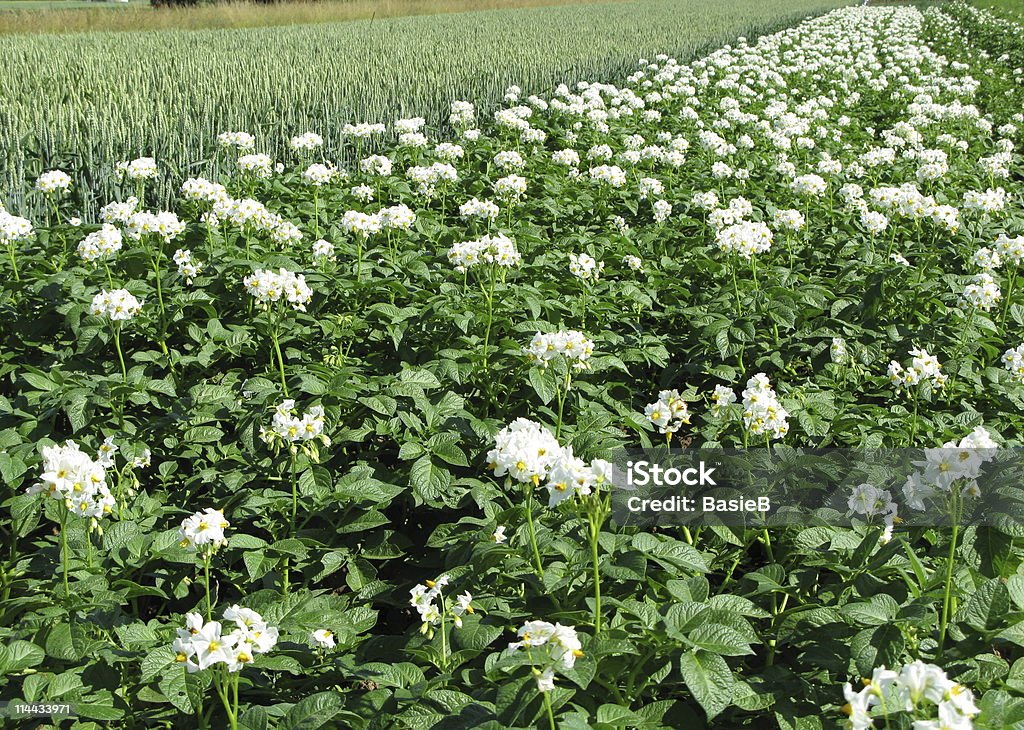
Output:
[[239, 14]]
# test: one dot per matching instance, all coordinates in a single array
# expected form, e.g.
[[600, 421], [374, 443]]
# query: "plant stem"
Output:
[[768, 544], [206, 585], [913, 424], [490, 315], [64, 548], [532, 531], [222, 691], [595, 531], [547, 705], [562, 395], [736, 289], [1009, 295], [160, 299], [14, 261], [120, 354], [295, 494], [280, 356], [948, 590], [234, 693], [444, 642], [316, 212]]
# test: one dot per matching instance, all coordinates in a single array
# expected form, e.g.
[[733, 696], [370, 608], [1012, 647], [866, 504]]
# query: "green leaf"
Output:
[[987, 608], [19, 655], [879, 610], [278, 663], [443, 446], [257, 564], [155, 661], [98, 706], [40, 382], [617, 715], [68, 642], [709, 680], [543, 382], [403, 674], [314, 711], [241, 541], [871, 648], [181, 688], [720, 640], [428, 480], [420, 377]]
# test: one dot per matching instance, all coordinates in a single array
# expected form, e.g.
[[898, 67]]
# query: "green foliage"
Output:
[[85, 101], [417, 366]]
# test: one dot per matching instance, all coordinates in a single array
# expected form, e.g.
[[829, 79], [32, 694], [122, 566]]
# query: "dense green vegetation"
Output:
[[84, 101]]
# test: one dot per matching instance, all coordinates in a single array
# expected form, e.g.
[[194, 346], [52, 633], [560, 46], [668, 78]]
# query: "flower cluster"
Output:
[[463, 114], [119, 212], [569, 344], [13, 228], [204, 531], [323, 249], [53, 182], [989, 201], [428, 178], [319, 174], [920, 690], [117, 305], [425, 598], [745, 239], [143, 168], [669, 412], [763, 413], [164, 224], [289, 428], [101, 244], [924, 367], [1013, 360], [524, 450], [954, 463], [569, 476], [721, 398], [238, 140], [363, 130], [269, 286], [498, 249], [188, 267], [359, 223], [983, 292], [552, 647], [80, 482], [611, 175], [869, 501], [1010, 249], [306, 142], [511, 187], [585, 266], [204, 644], [258, 165], [475, 208], [529, 453]]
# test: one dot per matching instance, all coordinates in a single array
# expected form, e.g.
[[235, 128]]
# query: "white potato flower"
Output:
[[117, 305]]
